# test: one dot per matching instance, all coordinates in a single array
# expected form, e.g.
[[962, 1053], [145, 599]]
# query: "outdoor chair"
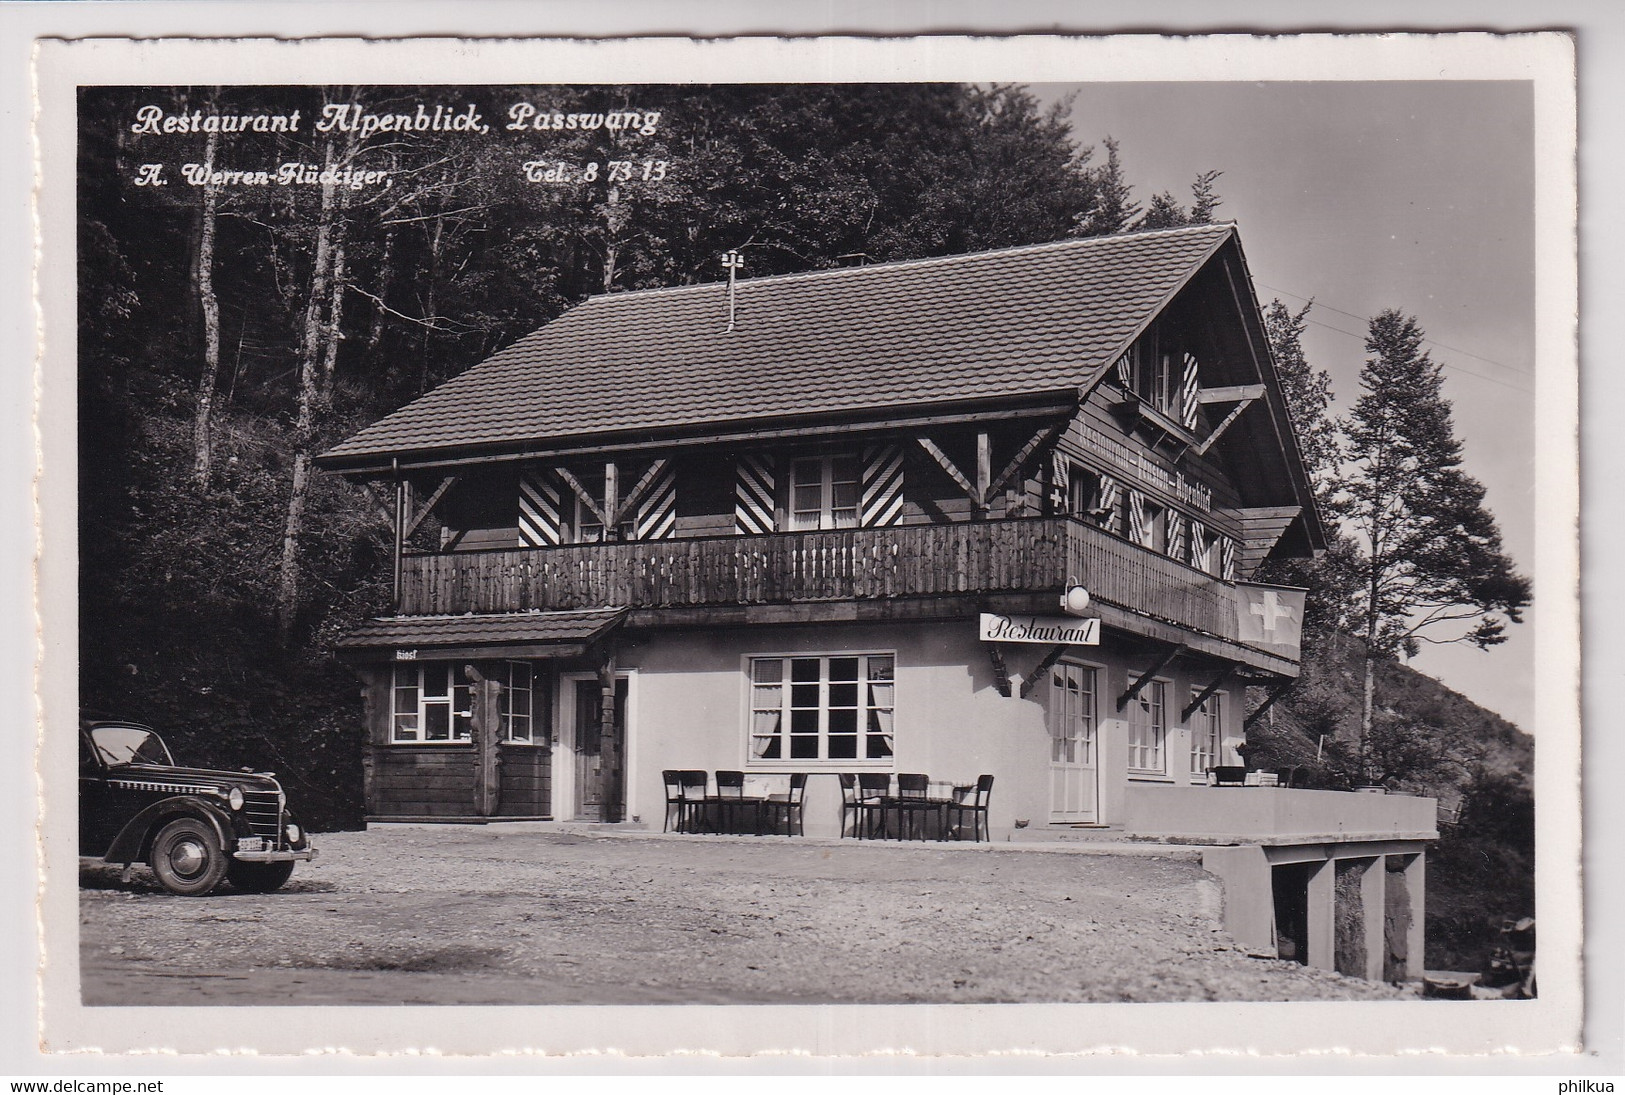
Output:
[[850, 806], [732, 804], [674, 800], [969, 801], [913, 805], [786, 810], [873, 789], [1229, 775], [693, 814]]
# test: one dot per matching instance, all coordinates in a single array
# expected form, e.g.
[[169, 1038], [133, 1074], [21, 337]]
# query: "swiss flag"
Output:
[[1270, 616]]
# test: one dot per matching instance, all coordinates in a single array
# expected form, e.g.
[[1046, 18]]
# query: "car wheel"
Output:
[[258, 877], [187, 857]]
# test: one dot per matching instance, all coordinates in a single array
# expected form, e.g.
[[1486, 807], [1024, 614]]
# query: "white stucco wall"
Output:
[[691, 710]]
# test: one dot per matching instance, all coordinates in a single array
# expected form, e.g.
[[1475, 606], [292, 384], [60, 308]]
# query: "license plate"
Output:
[[250, 844]]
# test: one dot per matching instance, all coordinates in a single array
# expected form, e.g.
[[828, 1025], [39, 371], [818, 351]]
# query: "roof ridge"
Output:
[[944, 260]]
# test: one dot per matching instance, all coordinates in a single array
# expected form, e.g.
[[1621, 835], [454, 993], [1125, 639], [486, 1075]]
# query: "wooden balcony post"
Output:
[[400, 529], [984, 475], [612, 502]]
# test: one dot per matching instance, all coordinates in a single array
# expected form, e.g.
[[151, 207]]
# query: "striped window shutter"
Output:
[[1107, 497], [540, 508], [1176, 535], [1188, 392], [1227, 558], [1060, 482], [1201, 548], [1125, 370], [657, 512], [882, 487], [753, 495], [1136, 516]]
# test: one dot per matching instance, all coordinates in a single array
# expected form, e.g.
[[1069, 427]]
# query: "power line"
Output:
[[1445, 364], [1433, 341]]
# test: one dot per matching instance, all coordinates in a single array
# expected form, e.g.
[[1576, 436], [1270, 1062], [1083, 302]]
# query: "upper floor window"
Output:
[[824, 492], [822, 707]]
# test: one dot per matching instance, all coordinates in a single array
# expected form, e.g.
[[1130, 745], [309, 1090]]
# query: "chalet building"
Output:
[[825, 522]]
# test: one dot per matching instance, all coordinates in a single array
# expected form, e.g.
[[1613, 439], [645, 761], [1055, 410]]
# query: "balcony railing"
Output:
[[1008, 556]]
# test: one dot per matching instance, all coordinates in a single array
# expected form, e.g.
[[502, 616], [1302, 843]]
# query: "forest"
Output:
[[264, 270]]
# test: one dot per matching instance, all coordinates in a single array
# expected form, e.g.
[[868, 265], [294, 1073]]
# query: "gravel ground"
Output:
[[532, 915]]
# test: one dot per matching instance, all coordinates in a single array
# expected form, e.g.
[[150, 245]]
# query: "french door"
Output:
[[1074, 776]]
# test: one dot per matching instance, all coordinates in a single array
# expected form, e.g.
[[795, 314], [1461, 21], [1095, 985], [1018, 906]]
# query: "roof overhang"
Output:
[[1053, 403], [522, 635]]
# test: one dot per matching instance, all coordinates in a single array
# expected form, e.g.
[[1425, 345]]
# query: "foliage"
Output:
[[338, 305], [1435, 570]]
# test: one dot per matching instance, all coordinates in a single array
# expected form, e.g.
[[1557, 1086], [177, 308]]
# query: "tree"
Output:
[[1114, 210], [1434, 570]]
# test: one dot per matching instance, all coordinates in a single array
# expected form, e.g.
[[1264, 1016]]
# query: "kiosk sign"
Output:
[[1048, 630]]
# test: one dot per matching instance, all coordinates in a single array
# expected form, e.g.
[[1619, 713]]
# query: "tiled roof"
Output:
[[1008, 323], [563, 628]]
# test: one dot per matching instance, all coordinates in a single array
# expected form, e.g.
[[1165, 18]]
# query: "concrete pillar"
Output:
[[1323, 915], [1373, 891], [1416, 884], [1249, 901]]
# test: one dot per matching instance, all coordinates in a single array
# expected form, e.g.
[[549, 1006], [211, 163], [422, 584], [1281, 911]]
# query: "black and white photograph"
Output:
[[812, 528]]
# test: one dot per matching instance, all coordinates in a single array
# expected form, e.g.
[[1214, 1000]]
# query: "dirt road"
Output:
[[527, 915]]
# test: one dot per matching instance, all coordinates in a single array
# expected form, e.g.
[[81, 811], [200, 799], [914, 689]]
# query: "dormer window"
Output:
[[824, 492]]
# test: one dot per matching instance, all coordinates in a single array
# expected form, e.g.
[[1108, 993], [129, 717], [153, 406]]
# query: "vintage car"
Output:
[[192, 826]]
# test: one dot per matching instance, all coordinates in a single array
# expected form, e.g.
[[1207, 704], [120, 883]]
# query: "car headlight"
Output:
[[235, 797], [293, 833]]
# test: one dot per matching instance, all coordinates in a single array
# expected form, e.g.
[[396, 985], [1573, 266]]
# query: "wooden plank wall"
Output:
[[428, 780], [527, 781]]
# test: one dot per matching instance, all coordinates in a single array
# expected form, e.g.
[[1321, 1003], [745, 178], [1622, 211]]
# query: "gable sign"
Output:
[[1048, 630]]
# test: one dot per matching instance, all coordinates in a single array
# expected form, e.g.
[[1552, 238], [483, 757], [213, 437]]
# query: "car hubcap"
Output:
[[187, 858]]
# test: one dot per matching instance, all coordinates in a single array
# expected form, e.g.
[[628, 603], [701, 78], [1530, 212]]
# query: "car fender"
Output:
[[130, 846]]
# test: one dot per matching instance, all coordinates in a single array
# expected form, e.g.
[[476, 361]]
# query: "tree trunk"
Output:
[[310, 353], [202, 445]]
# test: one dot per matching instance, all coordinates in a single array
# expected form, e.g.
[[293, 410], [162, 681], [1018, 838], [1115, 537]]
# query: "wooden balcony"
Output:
[[1028, 555]]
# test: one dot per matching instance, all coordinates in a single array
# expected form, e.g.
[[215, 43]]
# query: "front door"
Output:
[[1074, 747], [592, 779]]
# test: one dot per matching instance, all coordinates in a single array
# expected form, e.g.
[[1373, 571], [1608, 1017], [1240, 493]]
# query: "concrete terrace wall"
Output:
[[1275, 815]]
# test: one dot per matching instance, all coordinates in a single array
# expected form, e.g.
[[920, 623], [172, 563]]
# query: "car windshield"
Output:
[[129, 745]]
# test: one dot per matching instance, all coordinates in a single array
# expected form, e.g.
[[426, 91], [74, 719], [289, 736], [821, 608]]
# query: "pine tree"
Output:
[[1114, 209], [1434, 569]]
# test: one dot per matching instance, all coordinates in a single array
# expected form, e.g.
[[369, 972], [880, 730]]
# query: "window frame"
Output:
[[827, 510], [1096, 673], [506, 714], [1215, 730], [423, 701], [1140, 750], [865, 708]]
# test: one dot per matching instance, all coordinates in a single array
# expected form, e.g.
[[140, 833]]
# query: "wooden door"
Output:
[[1074, 745], [592, 778]]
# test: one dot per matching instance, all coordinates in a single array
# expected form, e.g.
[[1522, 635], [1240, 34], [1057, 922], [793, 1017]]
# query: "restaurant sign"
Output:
[[1049, 630]]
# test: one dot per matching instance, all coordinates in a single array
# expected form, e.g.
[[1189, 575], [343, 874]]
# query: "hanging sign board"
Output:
[[1048, 630]]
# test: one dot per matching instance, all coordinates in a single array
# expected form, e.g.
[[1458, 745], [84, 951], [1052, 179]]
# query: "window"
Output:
[[1072, 714], [825, 707], [589, 529], [1148, 526], [824, 493], [1205, 734], [1147, 728], [519, 712], [429, 704]]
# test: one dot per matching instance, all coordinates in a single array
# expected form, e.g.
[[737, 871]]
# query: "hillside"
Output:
[[1427, 739]]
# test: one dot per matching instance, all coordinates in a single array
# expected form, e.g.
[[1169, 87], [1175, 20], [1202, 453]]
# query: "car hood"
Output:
[[208, 779]]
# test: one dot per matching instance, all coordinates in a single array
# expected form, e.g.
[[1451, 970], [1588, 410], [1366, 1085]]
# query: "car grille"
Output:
[[263, 814]]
